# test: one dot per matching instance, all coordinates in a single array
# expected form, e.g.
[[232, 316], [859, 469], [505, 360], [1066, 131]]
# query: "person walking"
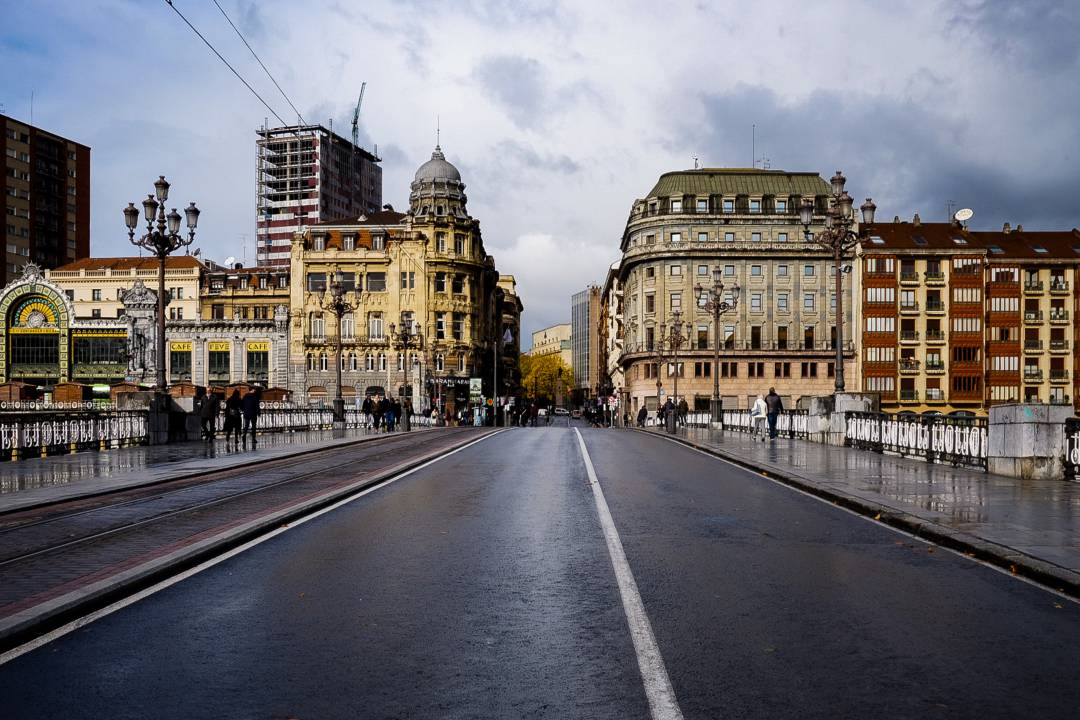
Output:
[[758, 417], [406, 415], [249, 407], [368, 410], [642, 414], [208, 412], [684, 410], [232, 418], [774, 406]]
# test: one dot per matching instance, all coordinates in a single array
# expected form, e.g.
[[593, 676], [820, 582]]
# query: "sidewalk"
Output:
[[38, 481], [1031, 527]]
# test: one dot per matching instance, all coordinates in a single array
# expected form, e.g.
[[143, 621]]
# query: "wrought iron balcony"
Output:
[[1059, 316], [934, 277], [1033, 286], [910, 307], [350, 340], [909, 336], [935, 395], [935, 367], [1033, 346], [1060, 400], [909, 395], [1033, 316], [935, 306], [909, 366], [1059, 376], [909, 276], [1059, 286], [1033, 374], [1059, 345], [935, 336]]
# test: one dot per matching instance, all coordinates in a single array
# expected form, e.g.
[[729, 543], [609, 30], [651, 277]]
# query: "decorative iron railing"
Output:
[[789, 423], [32, 433], [946, 440], [1072, 448]]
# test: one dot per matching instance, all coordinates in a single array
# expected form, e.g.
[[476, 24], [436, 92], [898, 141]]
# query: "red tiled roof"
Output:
[[996, 244], [176, 262]]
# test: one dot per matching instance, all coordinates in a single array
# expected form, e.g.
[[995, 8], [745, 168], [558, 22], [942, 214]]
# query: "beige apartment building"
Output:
[[96, 285], [745, 222], [552, 340], [426, 269]]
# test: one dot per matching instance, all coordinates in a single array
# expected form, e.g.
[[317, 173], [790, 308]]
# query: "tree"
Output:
[[540, 377]]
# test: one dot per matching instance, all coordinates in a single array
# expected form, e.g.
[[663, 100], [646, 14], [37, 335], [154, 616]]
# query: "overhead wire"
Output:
[[258, 60]]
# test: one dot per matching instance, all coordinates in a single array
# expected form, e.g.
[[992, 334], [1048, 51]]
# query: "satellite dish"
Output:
[[964, 214], [229, 261]]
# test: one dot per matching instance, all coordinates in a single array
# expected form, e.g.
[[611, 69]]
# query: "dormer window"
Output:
[[263, 282], [676, 206], [244, 283], [702, 205], [755, 206], [729, 205], [378, 242], [781, 206], [318, 242], [348, 242]]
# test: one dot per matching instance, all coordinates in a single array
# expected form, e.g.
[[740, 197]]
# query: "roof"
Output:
[[1051, 245], [380, 217], [739, 181], [173, 262], [437, 168]]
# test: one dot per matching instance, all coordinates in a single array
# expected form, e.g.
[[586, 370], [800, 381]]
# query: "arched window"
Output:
[[353, 362], [311, 362], [400, 362], [461, 362], [348, 326]]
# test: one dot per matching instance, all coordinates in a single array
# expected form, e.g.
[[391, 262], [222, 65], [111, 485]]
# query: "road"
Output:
[[481, 586]]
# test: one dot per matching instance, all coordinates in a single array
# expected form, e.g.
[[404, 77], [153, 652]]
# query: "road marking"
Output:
[[147, 592], [662, 702], [879, 523]]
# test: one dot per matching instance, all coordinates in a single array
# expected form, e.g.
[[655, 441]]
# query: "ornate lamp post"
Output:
[[675, 340], [712, 300], [162, 241], [339, 306], [406, 337], [838, 237]]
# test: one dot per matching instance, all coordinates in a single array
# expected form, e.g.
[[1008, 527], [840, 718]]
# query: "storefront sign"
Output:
[[219, 346], [182, 346], [258, 346]]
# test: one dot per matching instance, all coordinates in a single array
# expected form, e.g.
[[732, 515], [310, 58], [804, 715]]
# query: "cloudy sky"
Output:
[[560, 114]]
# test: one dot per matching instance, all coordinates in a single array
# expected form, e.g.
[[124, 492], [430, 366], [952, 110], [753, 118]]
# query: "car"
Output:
[[562, 411], [576, 414], [542, 412]]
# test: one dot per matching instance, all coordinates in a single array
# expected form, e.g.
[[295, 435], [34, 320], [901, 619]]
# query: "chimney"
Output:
[[916, 221], [238, 266], [896, 219], [1019, 228], [1007, 228]]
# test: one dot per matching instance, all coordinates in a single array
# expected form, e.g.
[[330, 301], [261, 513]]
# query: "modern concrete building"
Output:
[[953, 320], [552, 340], [746, 222], [47, 198], [585, 341], [307, 175]]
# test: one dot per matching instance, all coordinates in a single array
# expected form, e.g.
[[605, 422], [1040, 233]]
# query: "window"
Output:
[[264, 282], [440, 282], [880, 324], [376, 282], [702, 205], [218, 363], [70, 294], [382, 362], [755, 369], [755, 302], [375, 325], [180, 364], [879, 384], [316, 282], [378, 242], [461, 362], [369, 363], [966, 354], [702, 369], [440, 326], [408, 280], [440, 362], [217, 312], [650, 303], [729, 205], [676, 238], [967, 295], [650, 272], [317, 324], [729, 237], [703, 237], [702, 337], [348, 281], [808, 301], [755, 237], [283, 281], [729, 271], [458, 328], [809, 369], [349, 241], [782, 369], [318, 242], [880, 266], [676, 207], [755, 206], [781, 237], [808, 338], [95, 294], [729, 336], [96, 313], [649, 338], [457, 284], [674, 269], [755, 271], [1004, 304], [881, 295], [729, 369], [703, 270], [675, 301], [440, 242], [781, 270], [781, 207], [1005, 363], [782, 302], [880, 354], [808, 271], [967, 325]]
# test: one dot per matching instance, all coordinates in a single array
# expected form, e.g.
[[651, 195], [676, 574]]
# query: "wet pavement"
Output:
[[24, 483], [480, 587], [1040, 518]]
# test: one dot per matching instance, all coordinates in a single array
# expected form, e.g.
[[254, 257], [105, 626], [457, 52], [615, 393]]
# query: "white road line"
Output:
[[867, 518], [662, 702], [121, 604]]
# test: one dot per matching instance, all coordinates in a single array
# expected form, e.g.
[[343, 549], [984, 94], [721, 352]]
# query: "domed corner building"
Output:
[[43, 343], [427, 266]]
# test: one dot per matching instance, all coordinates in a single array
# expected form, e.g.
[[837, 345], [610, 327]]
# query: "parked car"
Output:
[[576, 414], [542, 412], [562, 411]]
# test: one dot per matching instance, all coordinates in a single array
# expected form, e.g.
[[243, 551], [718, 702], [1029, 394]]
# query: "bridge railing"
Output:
[[789, 423], [32, 433], [1072, 448], [943, 439]]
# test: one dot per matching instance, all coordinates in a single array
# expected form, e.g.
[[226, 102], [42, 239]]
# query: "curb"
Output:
[[101, 492], [1009, 559], [40, 619]]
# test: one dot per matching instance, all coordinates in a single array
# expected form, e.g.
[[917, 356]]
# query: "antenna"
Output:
[[437, 130], [753, 145], [696, 166], [949, 205]]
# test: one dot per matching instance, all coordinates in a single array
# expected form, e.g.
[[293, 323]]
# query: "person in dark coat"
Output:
[[382, 412], [774, 406], [406, 415], [642, 414], [232, 417], [249, 406], [208, 413], [684, 409]]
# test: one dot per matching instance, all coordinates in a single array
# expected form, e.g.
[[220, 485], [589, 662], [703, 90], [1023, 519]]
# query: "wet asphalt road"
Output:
[[481, 587]]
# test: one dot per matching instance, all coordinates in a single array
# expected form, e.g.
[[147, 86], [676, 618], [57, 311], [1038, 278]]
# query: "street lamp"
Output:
[[712, 300], [838, 237], [339, 306], [667, 348], [406, 337], [162, 241]]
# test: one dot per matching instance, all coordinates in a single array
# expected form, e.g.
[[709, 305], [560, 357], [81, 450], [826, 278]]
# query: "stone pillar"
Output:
[[1027, 441]]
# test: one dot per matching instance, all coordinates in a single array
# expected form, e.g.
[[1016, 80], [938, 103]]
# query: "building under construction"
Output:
[[308, 174]]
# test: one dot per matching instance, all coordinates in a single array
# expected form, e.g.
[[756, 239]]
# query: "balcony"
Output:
[[1059, 346], [909, 396], [1033, 346], [909, 336], [910, 307], [909, 366], [1059, 376], [1059, 286], [1033, 375], [909, 276], [935, 306], [1060, 400], [935, 336], [935, 367], [934, 277], [1033, 317], [1059, 316], [1033, 286], [935, 395], [346, 340]]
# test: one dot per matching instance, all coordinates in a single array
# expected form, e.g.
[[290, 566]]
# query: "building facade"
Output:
[[746, 222], [308, 174], [97, 285], [510, 307], [552, 340], [955, 321], [47, 198], [585, 341], [426, 269]]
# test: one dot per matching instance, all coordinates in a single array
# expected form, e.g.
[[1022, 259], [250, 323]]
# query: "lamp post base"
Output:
[[339, 411], [716, 410]]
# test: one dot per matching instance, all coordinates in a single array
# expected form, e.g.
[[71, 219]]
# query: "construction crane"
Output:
[[356, 117]]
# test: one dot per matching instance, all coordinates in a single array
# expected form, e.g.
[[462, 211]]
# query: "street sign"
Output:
[[475, 390]]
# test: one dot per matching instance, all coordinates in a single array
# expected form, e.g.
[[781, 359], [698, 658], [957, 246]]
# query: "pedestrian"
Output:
[[406, 415], [775, 406], [249, 407], [684, 409], [642, 414], [369, 414], [758, 417], [232, 417], [670, 411], [377, 412], [208, 413]]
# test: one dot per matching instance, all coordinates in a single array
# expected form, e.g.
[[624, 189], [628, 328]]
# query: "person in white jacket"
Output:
[[759, 414]]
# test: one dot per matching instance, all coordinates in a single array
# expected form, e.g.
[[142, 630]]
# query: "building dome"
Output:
[[437, 168]]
